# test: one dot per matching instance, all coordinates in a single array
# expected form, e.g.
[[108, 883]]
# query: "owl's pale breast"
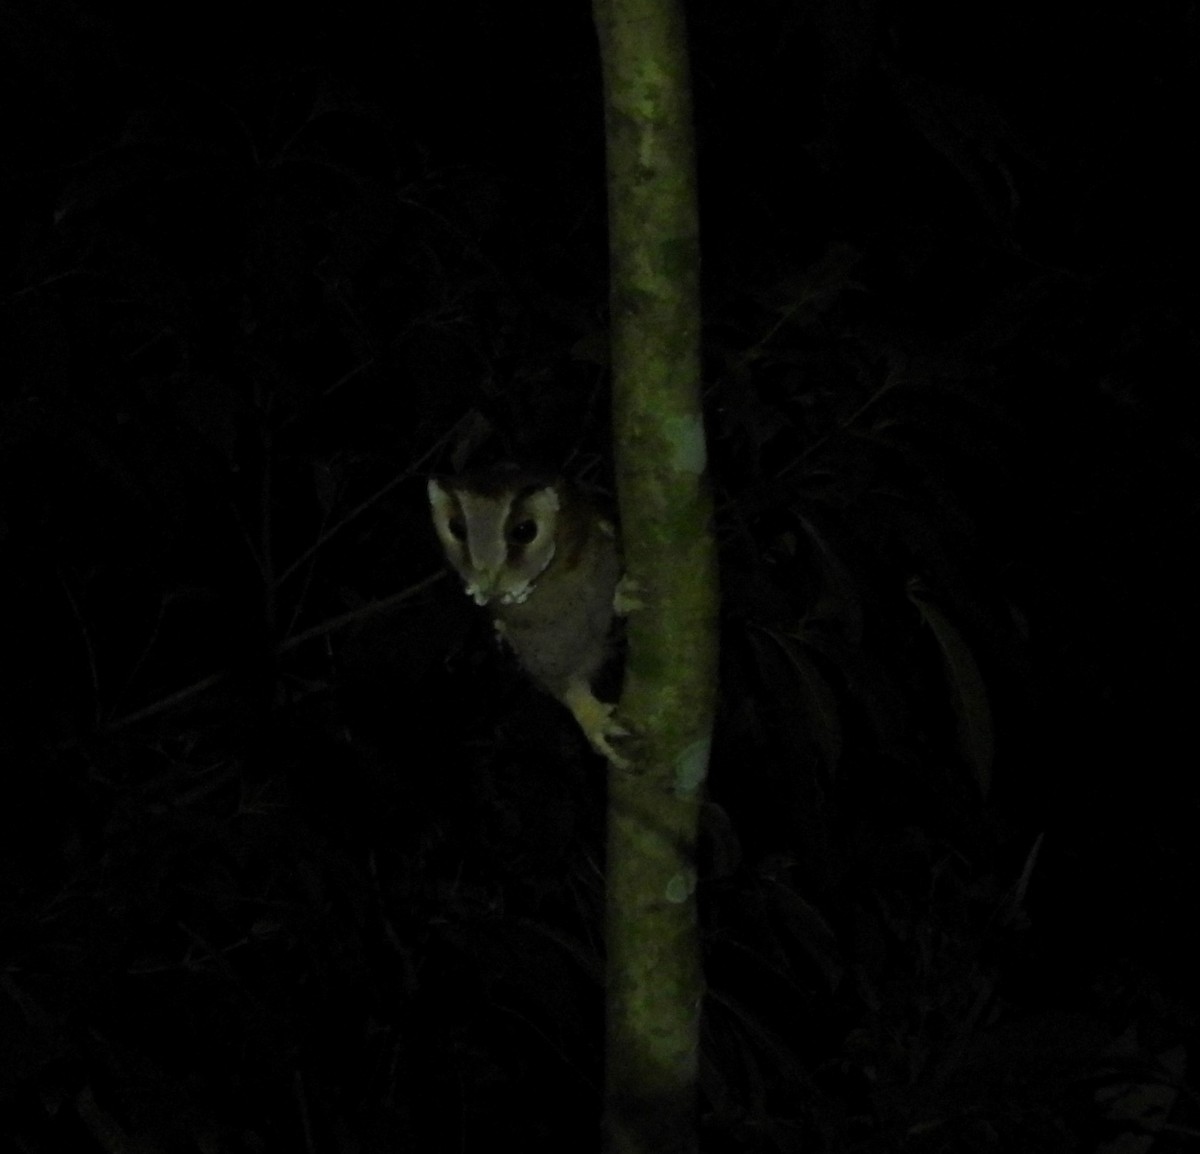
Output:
[[561, 631]]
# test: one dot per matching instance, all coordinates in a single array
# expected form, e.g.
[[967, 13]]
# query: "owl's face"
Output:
[[499, 536]]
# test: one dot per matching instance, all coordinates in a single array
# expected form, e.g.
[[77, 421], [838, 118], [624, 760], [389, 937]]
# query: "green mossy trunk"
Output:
[[655, 983]]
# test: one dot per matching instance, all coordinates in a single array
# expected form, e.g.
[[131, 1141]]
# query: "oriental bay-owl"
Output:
[[546, 565]]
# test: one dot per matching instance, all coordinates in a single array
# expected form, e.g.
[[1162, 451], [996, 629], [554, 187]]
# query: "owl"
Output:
[[546, 565]]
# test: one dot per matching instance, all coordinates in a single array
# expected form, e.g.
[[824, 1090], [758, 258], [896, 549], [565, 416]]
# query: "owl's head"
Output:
[[498, 530]]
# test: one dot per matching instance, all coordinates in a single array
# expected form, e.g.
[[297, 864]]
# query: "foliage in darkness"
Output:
[[294, 859]]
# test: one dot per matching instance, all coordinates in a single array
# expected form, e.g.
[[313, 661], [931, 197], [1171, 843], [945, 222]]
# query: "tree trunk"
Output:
[[654, 979]]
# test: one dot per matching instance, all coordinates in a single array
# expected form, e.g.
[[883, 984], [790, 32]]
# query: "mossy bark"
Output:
[[654, 976]]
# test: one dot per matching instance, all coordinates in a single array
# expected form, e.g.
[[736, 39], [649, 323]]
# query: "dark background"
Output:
[[294, 859]]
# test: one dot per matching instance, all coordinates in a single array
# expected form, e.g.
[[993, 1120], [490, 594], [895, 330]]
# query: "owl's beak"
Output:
[[485, 586]]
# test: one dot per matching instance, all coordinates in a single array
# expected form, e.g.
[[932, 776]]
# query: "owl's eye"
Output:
[[522, 532], [458, 528]]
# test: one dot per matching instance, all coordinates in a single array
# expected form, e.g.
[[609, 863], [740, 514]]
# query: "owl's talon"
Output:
[[626, 597], [601, 745], [596, 719]]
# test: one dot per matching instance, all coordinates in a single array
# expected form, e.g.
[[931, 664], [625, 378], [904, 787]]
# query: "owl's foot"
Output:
[[596, 719], [626, 597]]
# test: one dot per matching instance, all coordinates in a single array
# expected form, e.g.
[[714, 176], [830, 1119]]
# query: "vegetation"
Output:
[[292, 859]]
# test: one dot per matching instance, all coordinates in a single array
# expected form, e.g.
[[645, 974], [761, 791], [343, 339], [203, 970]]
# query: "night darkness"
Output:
[[292, 856]]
